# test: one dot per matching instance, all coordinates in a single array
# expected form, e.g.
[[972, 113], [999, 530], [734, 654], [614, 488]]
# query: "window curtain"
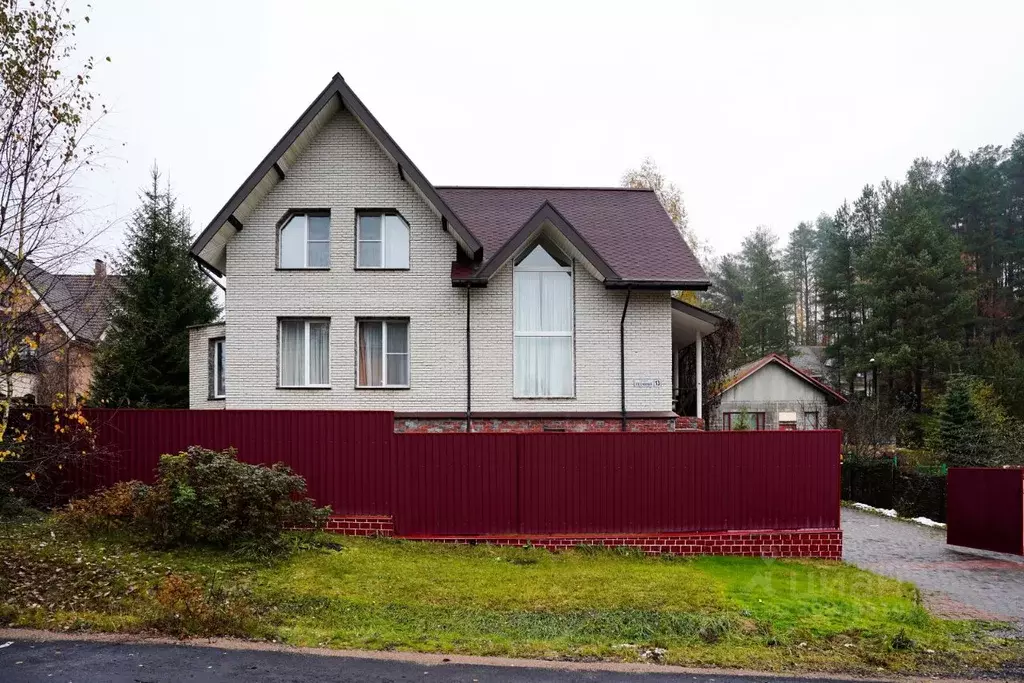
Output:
[[319, 355], [221, 386], [398, 353], [371, 355], [542, 302], [396, 242], [293, 353]]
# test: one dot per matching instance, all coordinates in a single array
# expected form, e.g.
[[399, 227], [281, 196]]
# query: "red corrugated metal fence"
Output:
[[985, 508], [453, 484], [476, 484], [345, 456]]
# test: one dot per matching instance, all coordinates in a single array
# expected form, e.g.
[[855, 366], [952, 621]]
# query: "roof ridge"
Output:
[[577, 188]]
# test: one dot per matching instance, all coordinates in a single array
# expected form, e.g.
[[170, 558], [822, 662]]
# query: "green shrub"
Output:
[[204, 497]]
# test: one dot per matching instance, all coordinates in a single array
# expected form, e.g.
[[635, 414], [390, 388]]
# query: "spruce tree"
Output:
[[965, 439], [144, 359]]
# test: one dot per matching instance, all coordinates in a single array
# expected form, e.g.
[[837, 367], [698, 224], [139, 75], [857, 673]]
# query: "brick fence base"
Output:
[[420, 425], [365, 525], [821, 543]]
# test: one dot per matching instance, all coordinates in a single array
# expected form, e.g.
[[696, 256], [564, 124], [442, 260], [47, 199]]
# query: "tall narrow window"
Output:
[[543, 310], [217, 384], [383, 348], [382, 240], [305, 241], [305, 352]]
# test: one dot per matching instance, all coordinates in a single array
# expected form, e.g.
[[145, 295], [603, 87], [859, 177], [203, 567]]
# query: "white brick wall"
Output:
[[344, 170], [199, 366], [598, 312]]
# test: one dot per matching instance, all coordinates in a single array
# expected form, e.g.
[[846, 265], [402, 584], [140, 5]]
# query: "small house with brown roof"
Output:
[[772, 393], [352, 282], [59, 320]]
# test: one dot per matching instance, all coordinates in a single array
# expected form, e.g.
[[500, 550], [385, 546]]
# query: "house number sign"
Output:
[[647, 383]]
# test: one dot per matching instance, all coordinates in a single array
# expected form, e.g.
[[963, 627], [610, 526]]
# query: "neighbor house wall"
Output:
[[345, 170], [199, 367], [771, 390]]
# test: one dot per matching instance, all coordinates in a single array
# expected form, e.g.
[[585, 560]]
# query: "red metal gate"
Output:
[[985, 508]]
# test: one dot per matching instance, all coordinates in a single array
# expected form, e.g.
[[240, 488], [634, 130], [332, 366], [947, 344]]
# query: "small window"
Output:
[[743, 421], [810, 420], [383, 348], [305, 241], [217, 384], [305, 352], [382, 240]]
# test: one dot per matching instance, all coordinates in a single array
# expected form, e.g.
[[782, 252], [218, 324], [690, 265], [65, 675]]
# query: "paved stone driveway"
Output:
[[954, 581]]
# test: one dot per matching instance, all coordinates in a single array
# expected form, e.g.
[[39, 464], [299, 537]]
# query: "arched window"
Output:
[[543, 312]]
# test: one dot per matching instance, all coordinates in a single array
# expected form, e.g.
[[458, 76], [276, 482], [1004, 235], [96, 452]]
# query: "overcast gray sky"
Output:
[[762, 112]]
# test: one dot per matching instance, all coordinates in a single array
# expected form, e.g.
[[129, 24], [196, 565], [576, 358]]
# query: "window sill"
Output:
[[292, 270], [384, 388], [543, 398], [312, 387], [380, 268], [216, 398]]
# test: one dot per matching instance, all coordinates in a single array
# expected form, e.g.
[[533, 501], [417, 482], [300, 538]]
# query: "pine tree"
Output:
[[144, 360], [729, 283], [836, 276], [764, 311], [799, 260], [919, 297]]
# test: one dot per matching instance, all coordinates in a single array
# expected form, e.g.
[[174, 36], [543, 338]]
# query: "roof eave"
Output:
[[681, 285]]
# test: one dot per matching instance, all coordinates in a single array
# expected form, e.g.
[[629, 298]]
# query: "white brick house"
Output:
[[353, 283]]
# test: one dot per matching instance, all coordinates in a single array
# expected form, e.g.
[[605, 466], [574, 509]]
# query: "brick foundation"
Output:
[[488, 425], [367, 525], [820, 543]]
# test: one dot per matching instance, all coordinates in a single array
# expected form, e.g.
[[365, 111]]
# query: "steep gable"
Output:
[[210, 247]]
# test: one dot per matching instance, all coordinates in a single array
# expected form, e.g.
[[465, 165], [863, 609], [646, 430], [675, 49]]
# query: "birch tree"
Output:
[[47, 111]]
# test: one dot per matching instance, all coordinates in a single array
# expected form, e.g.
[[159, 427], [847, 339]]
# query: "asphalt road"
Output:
[[64, 661]]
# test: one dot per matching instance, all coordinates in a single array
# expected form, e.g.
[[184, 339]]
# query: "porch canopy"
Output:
[[690, 324]]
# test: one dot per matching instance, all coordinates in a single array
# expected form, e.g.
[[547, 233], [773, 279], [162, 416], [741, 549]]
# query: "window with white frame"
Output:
[[305, 346], [305, 241], [382, 240], [543, 312], [217, 384], [383, 349]]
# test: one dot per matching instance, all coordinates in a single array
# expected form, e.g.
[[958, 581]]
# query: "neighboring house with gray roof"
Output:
[[67, 316], [772, 393], [354, 283]]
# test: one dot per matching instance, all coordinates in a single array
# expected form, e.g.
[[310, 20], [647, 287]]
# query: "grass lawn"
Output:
[[582, 604]]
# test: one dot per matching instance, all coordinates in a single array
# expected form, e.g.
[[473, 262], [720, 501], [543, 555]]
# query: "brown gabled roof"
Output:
[[80, 303], [627, 228], [744, 371], [624, 233]]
